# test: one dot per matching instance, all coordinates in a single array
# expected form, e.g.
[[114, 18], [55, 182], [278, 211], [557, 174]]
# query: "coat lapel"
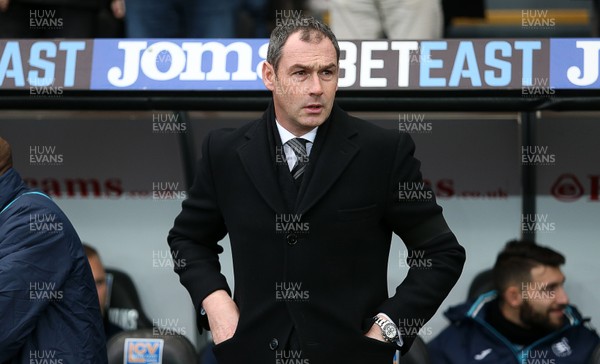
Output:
[[258, 160], [333, 153]]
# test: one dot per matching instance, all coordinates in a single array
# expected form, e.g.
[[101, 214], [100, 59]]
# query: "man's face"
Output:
[[100, 278], [305, 83], [544, 299]]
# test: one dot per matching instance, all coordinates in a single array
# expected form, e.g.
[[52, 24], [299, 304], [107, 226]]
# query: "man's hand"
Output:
[[4, 5], [223, 315], [375, 333], [117, 7]]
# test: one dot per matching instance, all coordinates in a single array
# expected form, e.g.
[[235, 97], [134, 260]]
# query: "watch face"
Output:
[[390, 331]]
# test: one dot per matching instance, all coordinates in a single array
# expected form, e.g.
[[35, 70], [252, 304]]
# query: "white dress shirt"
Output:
[[285, 136]]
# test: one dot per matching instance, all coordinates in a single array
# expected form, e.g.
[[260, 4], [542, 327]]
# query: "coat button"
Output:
[[274, 344], [292, 239]]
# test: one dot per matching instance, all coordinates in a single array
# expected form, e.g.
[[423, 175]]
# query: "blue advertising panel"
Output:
[[178, 64], [537, 67], [574, 63]]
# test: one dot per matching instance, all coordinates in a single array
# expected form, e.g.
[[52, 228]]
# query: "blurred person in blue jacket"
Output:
[[527, 319], [49, 18], [181, 18], [49, 309]]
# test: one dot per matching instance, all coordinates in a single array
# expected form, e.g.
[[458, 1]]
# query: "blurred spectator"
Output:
[[118, 8], [48, 302], [181, 18], [257, 11], [392, 19], [48, 18], [527, 319], [99, 273], [110, 22]]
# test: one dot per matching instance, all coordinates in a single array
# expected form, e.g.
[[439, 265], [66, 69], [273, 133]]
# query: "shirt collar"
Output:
[[285, 135]]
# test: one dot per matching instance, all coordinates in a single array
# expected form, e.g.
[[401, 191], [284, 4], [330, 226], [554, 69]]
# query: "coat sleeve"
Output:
[[34, 264], [195, 235], [436, 258]]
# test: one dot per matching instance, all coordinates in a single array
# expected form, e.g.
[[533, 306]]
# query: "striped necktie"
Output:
[[298, 145]]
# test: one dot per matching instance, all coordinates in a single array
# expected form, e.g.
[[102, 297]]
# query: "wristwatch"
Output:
[[389, 331]]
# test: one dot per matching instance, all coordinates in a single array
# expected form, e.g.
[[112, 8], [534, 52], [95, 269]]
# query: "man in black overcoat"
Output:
[[310, 197]]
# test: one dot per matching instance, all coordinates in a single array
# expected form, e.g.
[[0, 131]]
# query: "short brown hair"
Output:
[[519, 257], [312, 30]]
